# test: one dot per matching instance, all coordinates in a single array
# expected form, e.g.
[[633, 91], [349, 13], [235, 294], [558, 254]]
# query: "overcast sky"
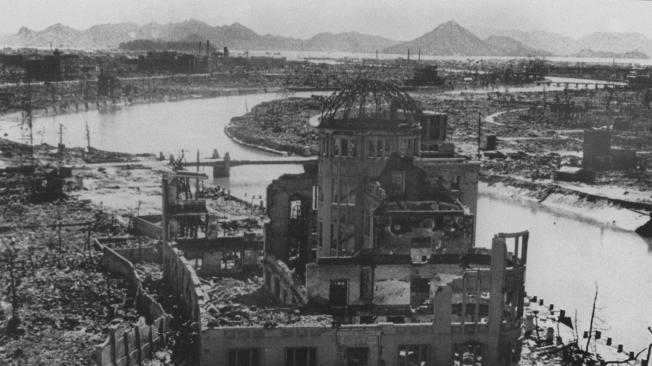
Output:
[[397, 19]]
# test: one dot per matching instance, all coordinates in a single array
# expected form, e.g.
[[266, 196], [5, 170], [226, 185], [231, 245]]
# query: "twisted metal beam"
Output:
[[353, 99]]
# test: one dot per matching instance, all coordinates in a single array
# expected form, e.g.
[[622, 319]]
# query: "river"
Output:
[[568, 254]]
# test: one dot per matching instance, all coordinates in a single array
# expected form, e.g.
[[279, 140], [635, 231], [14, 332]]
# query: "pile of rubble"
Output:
[[280, 125], [62, 304], [233, 302], [151, 275], [65, 304]]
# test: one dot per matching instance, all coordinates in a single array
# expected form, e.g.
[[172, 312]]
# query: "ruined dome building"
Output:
[[369, 256], [380, 234]]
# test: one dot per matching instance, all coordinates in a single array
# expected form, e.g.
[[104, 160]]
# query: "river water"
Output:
[[568, 253]]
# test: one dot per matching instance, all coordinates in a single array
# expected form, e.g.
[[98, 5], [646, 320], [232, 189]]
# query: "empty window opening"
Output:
[[455, 185], [357, 356], [468, 354], [244, 357], [295, 209], [413, 355], [301, 356], [338, 292], [231, 260], [366, 283], [366, 319]]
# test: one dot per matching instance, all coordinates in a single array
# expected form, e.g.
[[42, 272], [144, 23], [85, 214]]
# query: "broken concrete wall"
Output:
[[282, 282], [148, 226], [596, 148], [213, 254], [392, 285], [623, 159], [421, 237], [318, 281], [182, 280], [284, 232], [131, 346], [381, 342], [137, 255], [118, 265], [460, 177]]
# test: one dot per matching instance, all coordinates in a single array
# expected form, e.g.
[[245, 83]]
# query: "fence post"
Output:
[[162, 333], [139, 349], [152, 351], [125, 339], [114, 357]]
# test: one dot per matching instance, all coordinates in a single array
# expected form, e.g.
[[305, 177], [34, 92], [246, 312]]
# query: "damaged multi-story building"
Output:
[[380, 234], [370, 254]]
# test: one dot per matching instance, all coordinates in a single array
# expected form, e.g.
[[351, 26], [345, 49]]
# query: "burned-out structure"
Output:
[[598, 154], [187, 221], [380, 235]]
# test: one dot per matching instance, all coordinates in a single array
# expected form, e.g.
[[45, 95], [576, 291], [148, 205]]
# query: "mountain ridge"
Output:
[[449, 38], [452, 39]]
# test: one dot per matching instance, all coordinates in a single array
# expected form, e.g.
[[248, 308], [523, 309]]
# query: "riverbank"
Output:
[[67, 104], [16, 154], [258, 146], [279, 125], [565, 202]]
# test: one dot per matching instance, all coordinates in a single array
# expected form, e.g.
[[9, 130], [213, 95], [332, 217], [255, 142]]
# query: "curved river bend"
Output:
[[568, 255]]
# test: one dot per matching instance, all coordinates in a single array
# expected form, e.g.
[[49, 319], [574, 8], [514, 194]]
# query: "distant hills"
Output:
[[347, 42], [451, 39], [448, 39], [600, 44]]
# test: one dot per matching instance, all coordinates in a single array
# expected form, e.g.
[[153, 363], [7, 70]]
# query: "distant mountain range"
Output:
[[602, 44], [451, 39], [447, 39]]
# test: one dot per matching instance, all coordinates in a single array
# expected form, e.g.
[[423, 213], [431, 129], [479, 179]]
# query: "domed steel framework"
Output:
[[366, 99]]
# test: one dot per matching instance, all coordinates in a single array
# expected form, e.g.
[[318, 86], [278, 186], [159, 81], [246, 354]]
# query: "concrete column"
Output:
[[442, 343], [498, 252], [165, 185], [222, 169]]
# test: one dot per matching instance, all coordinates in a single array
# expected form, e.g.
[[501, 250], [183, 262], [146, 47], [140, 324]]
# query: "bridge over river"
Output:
[[221, 167]]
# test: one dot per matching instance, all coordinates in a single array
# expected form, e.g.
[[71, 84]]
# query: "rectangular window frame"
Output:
[[422, 350], [292, 353], [251, 357]]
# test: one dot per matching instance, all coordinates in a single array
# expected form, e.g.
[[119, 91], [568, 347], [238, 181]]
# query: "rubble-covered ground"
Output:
[[13, 154], [135, 189], [234, 302], [64, 301], [550, 340], [280, 125]]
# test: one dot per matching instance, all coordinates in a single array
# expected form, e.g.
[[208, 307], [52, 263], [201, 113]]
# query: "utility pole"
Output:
[[27, 121], [479, 131], [60, 143], [197, 180], [9, 256], [88, 138]]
